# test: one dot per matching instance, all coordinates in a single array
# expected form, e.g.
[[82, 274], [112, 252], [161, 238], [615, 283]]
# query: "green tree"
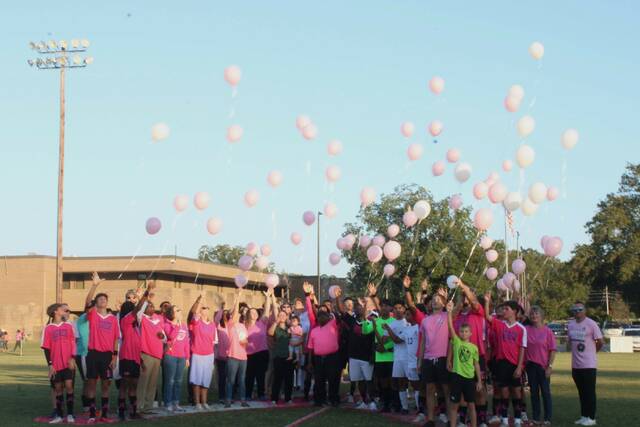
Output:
[[227, 254]]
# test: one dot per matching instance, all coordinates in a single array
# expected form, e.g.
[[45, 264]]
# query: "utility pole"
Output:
[[606, 295], [56, 56], [318, 256]]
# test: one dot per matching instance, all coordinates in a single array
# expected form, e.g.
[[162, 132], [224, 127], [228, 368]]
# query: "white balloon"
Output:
[[528, 207], [462, 172], [160, 131], [525, 126], [330, 209], [569, 138], [536, 50], [525, 156], [538, 192], [452, 281], [422, 209], [517, 92], [512, 201]]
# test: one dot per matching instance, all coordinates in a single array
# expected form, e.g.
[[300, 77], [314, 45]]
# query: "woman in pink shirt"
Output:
[[257, 349], [203, 339], [237, 359], [176, 357]]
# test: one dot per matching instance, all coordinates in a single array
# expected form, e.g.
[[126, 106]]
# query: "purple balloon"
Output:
[[309, 217], [491, 273], [245, 262], [153, 225], [553, 246], [388, 270], [374, 254], [518, 266], [334, 258], [508, 278]]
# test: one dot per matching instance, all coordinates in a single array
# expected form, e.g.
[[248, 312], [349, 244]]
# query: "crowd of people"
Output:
[[439, 350]]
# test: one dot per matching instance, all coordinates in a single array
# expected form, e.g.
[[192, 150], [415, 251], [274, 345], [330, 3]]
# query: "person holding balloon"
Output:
[[283, 365], [203, 338], [237, 359], [257, 349], [176, 357]]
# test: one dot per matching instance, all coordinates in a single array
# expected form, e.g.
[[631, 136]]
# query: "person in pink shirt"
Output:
[[59, 345], [203, 339], [222, 350], [585, 340], [257, 349], [540, 354], [176, 357], [237, 359]]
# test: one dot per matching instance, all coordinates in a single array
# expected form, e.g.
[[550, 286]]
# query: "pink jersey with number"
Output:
[[435, 333], [257, 336], [177, 340], [509, 340], [130, 347], [103, 331], [60, 340], [323, 340], [476, 321], [203, 336], [152, 335], [540, 341]]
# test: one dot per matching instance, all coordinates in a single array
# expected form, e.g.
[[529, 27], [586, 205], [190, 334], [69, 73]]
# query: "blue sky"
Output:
[[359, 69]]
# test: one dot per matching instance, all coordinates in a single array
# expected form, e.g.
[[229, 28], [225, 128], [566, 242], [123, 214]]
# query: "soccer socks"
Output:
[[517, 408], [59, 401], [416, 396], [92, 407], [462, 414], [104, 410], [442, 406], [404, 401], [481, 414], [69, 403], [504, 408], [85, 401], [133, 401], [122, 407]]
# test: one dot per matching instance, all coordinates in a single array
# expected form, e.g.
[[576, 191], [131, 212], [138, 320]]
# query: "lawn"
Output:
[[24, 394]]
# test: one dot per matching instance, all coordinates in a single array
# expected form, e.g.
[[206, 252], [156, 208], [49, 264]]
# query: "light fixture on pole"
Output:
[[60, 55]]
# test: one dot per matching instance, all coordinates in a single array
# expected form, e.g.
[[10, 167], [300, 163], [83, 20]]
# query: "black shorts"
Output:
[[462, 387], [382, 370], [62, 376], [81, 366], [98, 365], [435, 371], [503, 373], [129, 369]]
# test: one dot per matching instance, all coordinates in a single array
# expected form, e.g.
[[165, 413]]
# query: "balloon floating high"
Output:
[[462, 172], [483, 219], [569, 139], [233, 74], [330, 209], [536, 50], [367, 196], [334, 147], [153, 225], [234, 133], [274, 178], [308, 218], [159, 132], [525, 156], [407, 129], [241, 281], [435, 128], [262, 262], [265, 249], [201, 200], [438, 168], [453, 155], [525, 126], [251, 249], [538, 192], [334, 258], [333, 173], [296, 238], [181, 202], [214, 225], [251, 198], [414, 152], [436, 85]]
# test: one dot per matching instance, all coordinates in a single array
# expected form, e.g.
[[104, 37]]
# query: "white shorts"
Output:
[[401, 369], [201, 370], [360, 370]]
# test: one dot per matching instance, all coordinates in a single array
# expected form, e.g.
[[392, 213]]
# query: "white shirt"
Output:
[[411, 334], [399, 349]]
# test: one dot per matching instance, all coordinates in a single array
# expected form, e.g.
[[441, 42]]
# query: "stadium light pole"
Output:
[[318, 255], [60, 56]]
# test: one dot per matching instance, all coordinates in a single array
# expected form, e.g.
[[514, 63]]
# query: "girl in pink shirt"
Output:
[[237, 360], [257, 350], [203, 339], [176, 357], [222, 350]]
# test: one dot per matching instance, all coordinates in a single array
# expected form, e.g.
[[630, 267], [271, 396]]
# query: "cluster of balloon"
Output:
[[251, 198], [234, 133], [452, 281], [274, 178], [334, 258], [333, 173], [214, 225], [389, 270], [455, 202], [525, 126], [334, 147], [308, 218], [153, 225], [159, 132], [551, 245], [367, 196], [272, 280], [514, 98], [201, 200], [407, 129], [569, 139], [414, 151], [296, 238], [306, 127], [181, 202], [330, 209], [332, 291], [536, 50]]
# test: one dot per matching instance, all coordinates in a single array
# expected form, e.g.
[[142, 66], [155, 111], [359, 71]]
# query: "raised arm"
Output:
[[338, 302], [195, 308], [235, 311], [218, 316], [267, 304], [308, 292], [142, 303], [373, 294], [473, 300], [406, 283], [452, 330], [487, 306], [96, 282]]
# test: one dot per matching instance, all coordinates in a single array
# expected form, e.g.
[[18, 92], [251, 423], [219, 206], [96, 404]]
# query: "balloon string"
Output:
[[135, 254], [164, 248], [413, 246], [473, 248], [443, 253], [538, 272]]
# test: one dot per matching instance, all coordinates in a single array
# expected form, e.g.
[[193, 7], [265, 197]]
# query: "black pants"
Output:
[[585, 380], [282, 373], [326, 369], [257, 365], [540, 385], [221, 368]]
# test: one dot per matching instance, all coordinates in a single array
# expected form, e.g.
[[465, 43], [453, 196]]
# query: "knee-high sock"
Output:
[[69, 403], [404, 401]]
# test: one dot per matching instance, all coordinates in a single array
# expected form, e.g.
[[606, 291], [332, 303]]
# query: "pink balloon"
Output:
[[414, 152], [309, 132], [393, 230], [351, 240], [364, 241], [407, 129], [332, 291], [486, 242], [153, 225], [491, 273], [438, 168], [296, 238], [330, 209], [497, 192], [388, 270], [245, 262], [453, 155], [508, 278], [480, 190], [262, 262], [552, 193], [435, 127], [512, 103], [518, 266], [392, 250], [334, 258], [553, 247], [274, 178], [367, 196], [334, 147], [409, 219], [181, 202], [483, 219], [333, 173], [308, 217], [201, 200], [302, 122], [455, 202], [507, 165], [272, 280], [234, 133], [232, 75], [501, 286], [341, 243], [214, 225], [265, 250], [251, 198], [374, 254], [544, 240], [378, 240], [241, 281], [436, 85], [491, 255], [252, 249], [492, 179]]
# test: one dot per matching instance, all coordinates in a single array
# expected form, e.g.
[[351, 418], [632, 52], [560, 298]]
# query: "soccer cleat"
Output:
[[443, 418], [56, 420], [419, 419], [589, 422], [580, 421], [70, 419], [495, 419]]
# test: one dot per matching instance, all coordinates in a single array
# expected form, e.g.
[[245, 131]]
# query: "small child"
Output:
[[295, 342]]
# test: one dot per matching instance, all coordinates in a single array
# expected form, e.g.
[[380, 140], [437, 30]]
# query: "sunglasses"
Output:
[[577, 309]]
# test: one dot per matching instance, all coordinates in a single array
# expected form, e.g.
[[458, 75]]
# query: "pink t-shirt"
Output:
[[203, 336], [222, 347], [237, 340], [130, 347], [583, 336], [60, 340], [509, 340], [435, 333], [296, 331], [150, 342], [177, 340], [540, 341], [323, 340], [257, 336], [103, 331], [476, 321]]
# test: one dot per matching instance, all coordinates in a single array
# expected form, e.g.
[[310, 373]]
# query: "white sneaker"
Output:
[[461, 424], [373, 406], [494, 419], [483, 425], [70, 419], [504, 422], [178, 408], [155, 405], [523, 417], [56, 420], [169, 407], [443, 418], [420, 419], [589, 422], [580, 421], [517, 422], [199, 407], [206, 406], [361, 405]]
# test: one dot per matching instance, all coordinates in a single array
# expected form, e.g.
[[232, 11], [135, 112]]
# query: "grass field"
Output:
[[24, 394]]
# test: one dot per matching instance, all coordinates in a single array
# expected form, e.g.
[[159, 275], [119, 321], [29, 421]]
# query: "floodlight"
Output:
[[63, 44], [85, 43], [88, 60], [75, 43], [77, 60], [30, 62], [52, 44]]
